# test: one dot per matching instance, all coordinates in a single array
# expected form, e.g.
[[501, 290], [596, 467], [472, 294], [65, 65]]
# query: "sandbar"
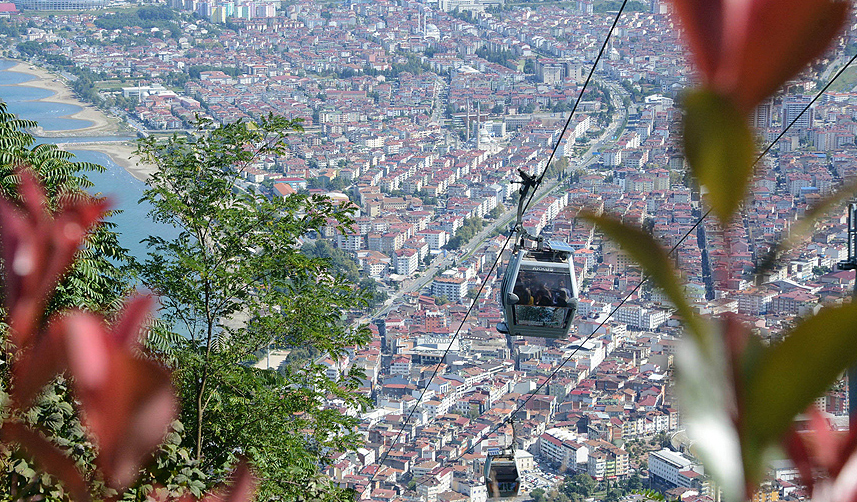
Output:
[[101, 124], [121, 152]]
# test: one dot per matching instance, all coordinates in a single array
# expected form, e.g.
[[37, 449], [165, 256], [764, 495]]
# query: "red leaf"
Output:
[[825, 445], [136, 314], [48, 457], [241, 488], [831, 454], [781, 38], [38, 365], [842, 488], [799, 454], [128, 403], [38, 249], [848, 447], [747, 49], [702, 22]]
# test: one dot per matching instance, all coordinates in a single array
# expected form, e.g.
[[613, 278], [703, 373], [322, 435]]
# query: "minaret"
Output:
[[478, 119], [467, 121]]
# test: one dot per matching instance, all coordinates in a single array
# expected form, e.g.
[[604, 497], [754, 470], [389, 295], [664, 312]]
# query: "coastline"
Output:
[[121, 152], [43, 79]]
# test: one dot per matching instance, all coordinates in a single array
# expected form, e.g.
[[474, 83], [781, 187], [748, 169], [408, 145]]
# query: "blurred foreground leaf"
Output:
[[789, 376], [653, 259], [719, 147], [708, 405]]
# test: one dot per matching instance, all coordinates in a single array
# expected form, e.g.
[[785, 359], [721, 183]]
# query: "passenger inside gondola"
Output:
[[561, 298], [543, 289], [543, 298], [523, 294]]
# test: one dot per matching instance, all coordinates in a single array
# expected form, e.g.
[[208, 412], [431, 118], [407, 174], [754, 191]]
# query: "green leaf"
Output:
[[655, 262], [719, 147], [253, 290], [788, 377]]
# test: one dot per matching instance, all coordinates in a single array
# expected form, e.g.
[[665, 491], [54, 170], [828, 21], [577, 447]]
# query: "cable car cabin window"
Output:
[[543, 289], [506, 479], [548, 317]]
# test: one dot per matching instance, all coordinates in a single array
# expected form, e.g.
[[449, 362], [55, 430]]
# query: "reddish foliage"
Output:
[[746, 49], [127, 402], [826, 459], [38, 248]]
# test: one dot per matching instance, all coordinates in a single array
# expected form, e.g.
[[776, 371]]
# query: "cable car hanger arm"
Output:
[[528, 182]]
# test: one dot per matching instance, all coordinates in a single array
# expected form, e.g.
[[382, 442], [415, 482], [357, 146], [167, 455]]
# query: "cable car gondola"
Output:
[[501, 475], [501, 471], [539, 290]]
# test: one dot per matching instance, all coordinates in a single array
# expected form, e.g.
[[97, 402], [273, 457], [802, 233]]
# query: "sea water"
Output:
[[125, 191]]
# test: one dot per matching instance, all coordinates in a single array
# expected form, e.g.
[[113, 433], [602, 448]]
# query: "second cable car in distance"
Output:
[[501, 475], [502, 471], [539, 290]]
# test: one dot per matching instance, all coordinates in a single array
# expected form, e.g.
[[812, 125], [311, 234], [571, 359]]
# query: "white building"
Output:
[[669, 469], [407, 261], [350, 242], [476, 490], [453, 288], [563, 448]]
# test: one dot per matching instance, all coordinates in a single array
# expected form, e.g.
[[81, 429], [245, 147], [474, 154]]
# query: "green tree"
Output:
[[613, 495], [235, 281], [497, 212], [338, 183], [375, 295], [557, 168], [820, 270], [583, 484], [97, 281], [339, 261], [343, 264], [529, 66], [98, 277], [462, 236], [9, 28], [634, 483], [661, 440]]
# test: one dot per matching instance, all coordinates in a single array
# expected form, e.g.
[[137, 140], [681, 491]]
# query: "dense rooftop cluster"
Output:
[[373, 83]]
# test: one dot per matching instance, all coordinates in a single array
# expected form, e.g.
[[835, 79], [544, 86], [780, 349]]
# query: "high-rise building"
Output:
[[762, 115], [792, 108]]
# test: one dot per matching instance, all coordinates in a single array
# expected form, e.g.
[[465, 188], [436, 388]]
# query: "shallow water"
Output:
[[115, 182], [22, 101]]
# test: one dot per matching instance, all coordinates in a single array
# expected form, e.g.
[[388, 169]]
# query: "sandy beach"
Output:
[[121, 152], [101, 124]]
